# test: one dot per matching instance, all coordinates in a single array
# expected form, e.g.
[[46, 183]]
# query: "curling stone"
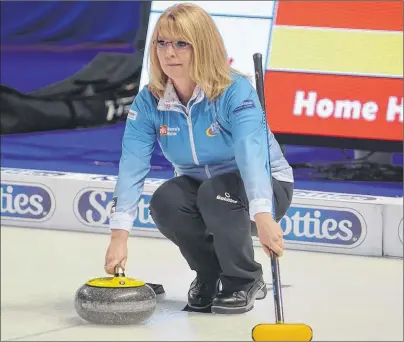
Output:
[[115, 300]]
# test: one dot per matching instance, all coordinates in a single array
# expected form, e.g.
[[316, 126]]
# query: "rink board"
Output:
[[316, 221]]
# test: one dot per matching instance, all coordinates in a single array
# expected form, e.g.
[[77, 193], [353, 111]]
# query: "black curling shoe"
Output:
[[262, 293], [202, 292], [239, 301]]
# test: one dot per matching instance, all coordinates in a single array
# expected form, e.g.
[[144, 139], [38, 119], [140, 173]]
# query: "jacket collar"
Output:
[[170, 100]]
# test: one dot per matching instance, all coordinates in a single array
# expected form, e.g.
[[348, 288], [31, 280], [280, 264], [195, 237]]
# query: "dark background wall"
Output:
[[43, 42]]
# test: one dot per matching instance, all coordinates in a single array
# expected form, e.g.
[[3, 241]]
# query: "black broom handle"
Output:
[[276, 278]]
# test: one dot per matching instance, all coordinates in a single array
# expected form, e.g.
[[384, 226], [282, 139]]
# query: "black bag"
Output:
[[99, 94]]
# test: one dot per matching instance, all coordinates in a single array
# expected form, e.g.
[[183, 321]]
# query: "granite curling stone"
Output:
[[115, 300]]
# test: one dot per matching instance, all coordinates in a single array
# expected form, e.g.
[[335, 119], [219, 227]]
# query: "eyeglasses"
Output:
[[177, 45]]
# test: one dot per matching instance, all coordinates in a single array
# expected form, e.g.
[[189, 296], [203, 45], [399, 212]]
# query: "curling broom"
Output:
[[279, 331]]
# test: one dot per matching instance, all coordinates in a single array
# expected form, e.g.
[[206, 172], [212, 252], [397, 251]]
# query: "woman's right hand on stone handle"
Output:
[[117, 252]]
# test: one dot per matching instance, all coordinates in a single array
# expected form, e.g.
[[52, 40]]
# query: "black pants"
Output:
[[210, 223]]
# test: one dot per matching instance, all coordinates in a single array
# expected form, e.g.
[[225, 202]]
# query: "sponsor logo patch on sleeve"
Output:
[[132, 115], [246, 104]]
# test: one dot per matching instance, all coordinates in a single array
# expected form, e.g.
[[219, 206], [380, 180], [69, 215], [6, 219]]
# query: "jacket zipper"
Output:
[[191, 135]]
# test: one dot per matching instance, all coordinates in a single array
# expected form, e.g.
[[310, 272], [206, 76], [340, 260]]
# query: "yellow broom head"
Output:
[[282, 332]]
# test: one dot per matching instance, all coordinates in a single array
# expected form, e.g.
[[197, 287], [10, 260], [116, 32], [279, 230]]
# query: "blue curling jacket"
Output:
[[201, 140]]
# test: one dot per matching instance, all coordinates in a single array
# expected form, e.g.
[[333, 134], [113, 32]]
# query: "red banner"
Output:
[[335, 105], [371, 15]]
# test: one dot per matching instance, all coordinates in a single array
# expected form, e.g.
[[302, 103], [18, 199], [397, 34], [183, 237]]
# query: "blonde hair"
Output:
[[210, 68]]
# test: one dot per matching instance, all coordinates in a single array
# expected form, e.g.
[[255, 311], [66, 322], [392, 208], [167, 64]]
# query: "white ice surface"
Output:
[[341, 297]]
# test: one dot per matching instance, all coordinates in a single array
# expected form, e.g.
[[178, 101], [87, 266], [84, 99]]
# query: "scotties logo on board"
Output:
[[93, 207], [26, 202], [323, 226]]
